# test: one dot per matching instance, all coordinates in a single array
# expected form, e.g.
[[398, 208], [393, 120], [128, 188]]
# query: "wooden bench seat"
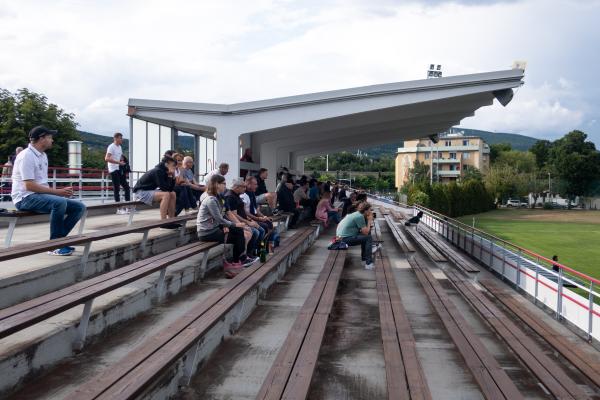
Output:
[[583, 362], [404, 373], [23, 315], [13, 216], [427, 247], [291, 373], [453, 254], [491, 378], [549, 373], [78, 240], [139, 370], [403, 241]]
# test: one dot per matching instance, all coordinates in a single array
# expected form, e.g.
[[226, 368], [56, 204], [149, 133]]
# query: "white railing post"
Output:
[[80, 185], [590, 311], [537, 278], [54, 179], [102, 187], [559, 293]]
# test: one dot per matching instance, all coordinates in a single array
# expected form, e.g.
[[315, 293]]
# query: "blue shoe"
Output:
[[70, 248], [63, 251]]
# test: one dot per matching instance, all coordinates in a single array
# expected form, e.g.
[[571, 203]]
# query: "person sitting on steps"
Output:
[[355, 229]]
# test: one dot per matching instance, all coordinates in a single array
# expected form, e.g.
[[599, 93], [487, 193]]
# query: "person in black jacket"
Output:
[[286, 201], [157, 185]]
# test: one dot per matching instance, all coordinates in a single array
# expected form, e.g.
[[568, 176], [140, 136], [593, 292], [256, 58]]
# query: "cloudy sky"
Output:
[[91, 56]]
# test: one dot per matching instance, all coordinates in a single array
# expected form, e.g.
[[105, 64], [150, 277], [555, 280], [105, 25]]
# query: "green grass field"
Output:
[[573, 235]]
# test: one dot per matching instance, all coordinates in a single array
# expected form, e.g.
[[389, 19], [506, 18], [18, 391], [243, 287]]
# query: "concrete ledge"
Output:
[[29, 352], [36, 282]]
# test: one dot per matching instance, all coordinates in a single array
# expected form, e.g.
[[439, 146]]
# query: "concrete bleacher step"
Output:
[[37, 349], [28, 277]]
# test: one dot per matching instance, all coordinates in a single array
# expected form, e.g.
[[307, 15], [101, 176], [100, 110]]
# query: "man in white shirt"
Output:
[[31, 192], [113, 160], [222, 170]]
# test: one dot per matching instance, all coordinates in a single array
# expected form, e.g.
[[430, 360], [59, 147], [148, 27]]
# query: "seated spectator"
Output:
[[325, 212], [334, 193], [157, 185], [300, 195], [246, 157], [360, 198], [355, 229], [222, 170], [31, 192], [313, 191], [347, 203], [262, 195], [196, 188], [185, 199], [252, 209], [287, 203], [236, 212], [212, 226]]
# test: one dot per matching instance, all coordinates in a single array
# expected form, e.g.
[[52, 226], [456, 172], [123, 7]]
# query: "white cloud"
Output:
[[535, 111], [96, 55]]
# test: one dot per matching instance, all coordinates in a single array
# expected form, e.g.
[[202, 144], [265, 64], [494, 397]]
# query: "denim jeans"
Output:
[[366, 243], [255, 241], [57, 207], [333, 216]]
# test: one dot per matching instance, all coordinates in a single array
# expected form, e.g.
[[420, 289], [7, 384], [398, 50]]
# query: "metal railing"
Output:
[[89, 183], [571, 294]]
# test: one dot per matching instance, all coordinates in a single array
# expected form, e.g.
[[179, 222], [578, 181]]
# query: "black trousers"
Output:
[[234, 237], [118, 181]]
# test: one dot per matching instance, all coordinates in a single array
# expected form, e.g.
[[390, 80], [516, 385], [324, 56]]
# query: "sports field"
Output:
[[573, 235]]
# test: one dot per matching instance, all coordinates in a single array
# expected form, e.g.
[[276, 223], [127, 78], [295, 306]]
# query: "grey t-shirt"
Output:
[[187, 174]]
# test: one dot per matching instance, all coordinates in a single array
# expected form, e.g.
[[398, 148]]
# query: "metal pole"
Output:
[[519, 257], [537, 274], [80, 184], [591, 310], [54, 178], [559, 292]]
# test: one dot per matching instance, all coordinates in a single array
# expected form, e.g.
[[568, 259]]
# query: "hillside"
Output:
[[518, 142], [94, 141]]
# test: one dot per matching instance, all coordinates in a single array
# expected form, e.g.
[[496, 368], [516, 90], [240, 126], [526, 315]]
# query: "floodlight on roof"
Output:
[[434, 72], [519, 64]]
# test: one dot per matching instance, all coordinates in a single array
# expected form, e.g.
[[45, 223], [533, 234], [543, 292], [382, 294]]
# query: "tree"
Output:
[[497, 148], [576, 162], [521, 161], [419, 172], [21, 111], [541, 151], [471, 174]]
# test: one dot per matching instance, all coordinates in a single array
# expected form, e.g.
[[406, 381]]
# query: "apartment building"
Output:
[[449, 158]]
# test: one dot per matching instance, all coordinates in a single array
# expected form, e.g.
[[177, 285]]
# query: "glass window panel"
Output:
[[153, 144], [165, 139], [138, 146], [202, 166]]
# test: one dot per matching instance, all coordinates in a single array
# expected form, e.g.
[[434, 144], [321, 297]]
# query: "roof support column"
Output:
[[228, 152]]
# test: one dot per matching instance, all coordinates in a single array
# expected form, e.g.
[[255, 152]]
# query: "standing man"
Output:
[[31, 192], [113, 160]]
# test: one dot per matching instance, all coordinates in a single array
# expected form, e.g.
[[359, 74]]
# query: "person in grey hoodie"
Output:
[[212, 226]]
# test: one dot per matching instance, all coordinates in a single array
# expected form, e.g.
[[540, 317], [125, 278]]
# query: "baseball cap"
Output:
[[40, 131]]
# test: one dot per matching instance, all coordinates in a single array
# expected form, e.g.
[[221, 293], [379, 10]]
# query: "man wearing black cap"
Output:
[[31, 192]]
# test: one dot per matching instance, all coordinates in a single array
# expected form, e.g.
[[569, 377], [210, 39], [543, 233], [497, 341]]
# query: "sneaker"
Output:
[[276, 212], [121, 211], [63, 251], [375, 248], [370, 267], [249, 261], [71, 248]]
